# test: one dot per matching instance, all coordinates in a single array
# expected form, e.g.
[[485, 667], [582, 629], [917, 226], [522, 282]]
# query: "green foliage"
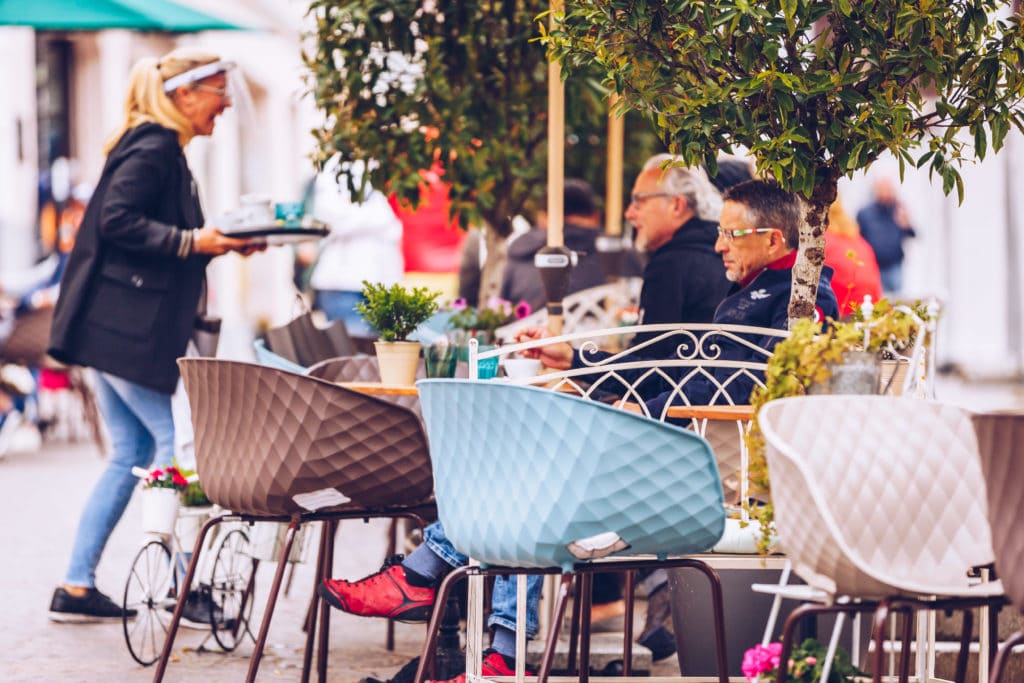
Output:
[[464, 84], [805, 358], [194, 496], [396, 312], [815, 89]]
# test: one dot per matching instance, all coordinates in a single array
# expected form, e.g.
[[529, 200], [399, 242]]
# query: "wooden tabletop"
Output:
[[378, 389], [743, 412]]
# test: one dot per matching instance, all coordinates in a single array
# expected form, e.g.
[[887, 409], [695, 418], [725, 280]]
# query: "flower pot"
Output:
[[190, 522], [859, 373], [266, 540], [398, 361], [159, 510], [894, 374]]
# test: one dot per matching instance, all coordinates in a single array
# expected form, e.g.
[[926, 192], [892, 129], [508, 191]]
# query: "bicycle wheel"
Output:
[[231, 590], [151, 590]]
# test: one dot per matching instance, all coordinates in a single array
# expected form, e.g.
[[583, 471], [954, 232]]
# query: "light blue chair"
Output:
[[267, 357], [527, 478]]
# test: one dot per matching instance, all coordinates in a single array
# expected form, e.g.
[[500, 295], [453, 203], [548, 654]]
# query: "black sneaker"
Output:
[[200, 610], [93, 606]]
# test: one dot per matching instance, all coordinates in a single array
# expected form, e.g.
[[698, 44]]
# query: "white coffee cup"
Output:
[[256, 209], [521, 368]]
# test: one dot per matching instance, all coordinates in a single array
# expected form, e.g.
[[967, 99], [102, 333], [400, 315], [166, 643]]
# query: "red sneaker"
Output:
[[494, 664], [384, 594]]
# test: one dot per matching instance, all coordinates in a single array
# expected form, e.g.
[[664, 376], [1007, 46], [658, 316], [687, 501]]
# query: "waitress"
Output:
[[131, 291]]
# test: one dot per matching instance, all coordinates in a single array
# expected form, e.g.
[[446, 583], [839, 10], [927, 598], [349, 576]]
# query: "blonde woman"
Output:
[[852, 259], [131, 290]]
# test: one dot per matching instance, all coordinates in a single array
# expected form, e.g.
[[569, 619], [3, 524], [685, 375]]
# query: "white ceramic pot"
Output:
[[159, 510], [398, 362], [190, 521]]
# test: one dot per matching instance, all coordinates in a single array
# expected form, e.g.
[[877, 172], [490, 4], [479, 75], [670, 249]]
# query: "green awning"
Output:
[[95, 15]]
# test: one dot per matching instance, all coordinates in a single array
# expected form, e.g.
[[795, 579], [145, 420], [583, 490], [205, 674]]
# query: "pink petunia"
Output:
[[459, 304], [523, 309], [760, 660], [811, 660]]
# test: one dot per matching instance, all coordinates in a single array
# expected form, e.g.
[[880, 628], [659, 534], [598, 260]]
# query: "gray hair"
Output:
[[692, 183]]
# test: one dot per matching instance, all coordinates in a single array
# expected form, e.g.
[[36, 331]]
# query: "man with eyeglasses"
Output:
[[674, 212], [756, 238]]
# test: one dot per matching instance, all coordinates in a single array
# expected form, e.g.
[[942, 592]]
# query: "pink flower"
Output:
[[459, 304], [761, 660], [811, 660], [522, 310]]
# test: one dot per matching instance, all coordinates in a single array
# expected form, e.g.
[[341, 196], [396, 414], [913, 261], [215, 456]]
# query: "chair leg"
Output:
[[905, 656], [434, 627], [389, 634], [172, 628], [261, 639], [326, 565], [1004, 654], [574, 628], [627, 626], [552, 642], [965, 646], [314, 605], [587, 591], [878, 636]]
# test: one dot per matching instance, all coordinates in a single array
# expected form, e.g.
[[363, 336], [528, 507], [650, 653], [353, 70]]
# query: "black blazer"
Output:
[[128, 302]]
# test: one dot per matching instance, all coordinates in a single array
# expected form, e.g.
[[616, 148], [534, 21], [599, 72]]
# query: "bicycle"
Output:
[[152, 587]]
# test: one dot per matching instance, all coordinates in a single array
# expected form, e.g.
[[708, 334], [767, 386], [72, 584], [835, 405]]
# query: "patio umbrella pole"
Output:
[[610, 243], [554, 260]]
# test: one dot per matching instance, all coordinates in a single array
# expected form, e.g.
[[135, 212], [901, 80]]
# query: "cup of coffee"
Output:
[[256, 209], [521, 368]]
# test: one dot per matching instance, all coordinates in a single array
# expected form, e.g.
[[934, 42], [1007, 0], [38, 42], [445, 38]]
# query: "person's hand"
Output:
[[212, 242], [557, 356]]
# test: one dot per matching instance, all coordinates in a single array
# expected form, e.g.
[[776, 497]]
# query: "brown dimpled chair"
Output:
[[999, 439], [265, 437]]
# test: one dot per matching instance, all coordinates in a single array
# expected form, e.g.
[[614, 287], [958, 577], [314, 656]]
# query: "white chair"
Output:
[[879, 501]]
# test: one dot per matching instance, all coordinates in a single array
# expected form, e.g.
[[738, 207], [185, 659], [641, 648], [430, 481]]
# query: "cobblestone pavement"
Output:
[[41, 497]]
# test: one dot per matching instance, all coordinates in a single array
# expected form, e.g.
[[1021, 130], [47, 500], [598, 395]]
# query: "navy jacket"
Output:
[[879, 228], [127, 303], [684, 281]]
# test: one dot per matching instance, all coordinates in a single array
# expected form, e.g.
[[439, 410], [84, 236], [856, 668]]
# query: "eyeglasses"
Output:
[[728, 236], [640, 196], [220, 92]]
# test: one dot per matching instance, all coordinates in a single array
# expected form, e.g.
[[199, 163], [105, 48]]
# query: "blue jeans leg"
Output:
[[892, 278], [503, 598], [336, 303], [141, 429]]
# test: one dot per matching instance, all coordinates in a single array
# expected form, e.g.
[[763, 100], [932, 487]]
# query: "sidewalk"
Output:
[[43, 494]]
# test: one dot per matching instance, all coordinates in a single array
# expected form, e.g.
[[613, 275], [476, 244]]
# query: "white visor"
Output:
[[197, 74]]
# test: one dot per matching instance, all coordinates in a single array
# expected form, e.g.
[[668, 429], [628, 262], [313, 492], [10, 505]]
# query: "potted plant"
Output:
[[194, 511], [806, 664], [395, 313], [806, 362], [160, 499], [480, 323]]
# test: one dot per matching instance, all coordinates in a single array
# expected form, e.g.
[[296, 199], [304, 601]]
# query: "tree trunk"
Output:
[[811, 252], [492, 273]]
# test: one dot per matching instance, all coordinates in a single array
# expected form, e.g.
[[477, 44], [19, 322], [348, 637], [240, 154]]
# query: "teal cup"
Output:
[[290, 213]]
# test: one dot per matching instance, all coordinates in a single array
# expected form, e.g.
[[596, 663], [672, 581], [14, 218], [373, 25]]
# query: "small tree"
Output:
[[814, 89]]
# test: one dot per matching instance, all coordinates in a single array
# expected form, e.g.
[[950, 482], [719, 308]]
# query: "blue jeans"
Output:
[[336, 303], [892, 278], [141, 430], [503, 597]]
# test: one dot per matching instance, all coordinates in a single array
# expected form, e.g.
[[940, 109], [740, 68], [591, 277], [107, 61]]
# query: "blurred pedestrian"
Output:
[[852, 260], [885, 224], [132, 288], [365, 243]]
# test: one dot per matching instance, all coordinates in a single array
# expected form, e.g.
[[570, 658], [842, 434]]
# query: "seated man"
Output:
[[757, 240]]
